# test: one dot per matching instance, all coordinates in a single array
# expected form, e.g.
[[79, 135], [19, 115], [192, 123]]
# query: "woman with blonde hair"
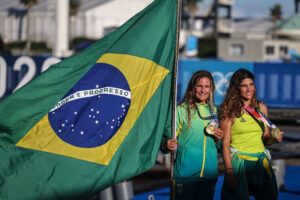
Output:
[[196, 165]]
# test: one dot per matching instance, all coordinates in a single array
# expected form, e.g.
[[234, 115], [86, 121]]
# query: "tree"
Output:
[[275, 14], [192, 7], [74, 7], [29, 4]]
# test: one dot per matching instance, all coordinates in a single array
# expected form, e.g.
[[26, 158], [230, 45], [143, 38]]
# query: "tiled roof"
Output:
[[292, 23], [253, 25]]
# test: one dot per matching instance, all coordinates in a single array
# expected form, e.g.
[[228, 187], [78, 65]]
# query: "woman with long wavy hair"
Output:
[[196, 165], [242, 119]]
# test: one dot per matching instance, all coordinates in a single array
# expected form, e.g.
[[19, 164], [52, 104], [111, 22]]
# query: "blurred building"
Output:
[[95, 18], [209, 17], [260, 40], [249, 39]]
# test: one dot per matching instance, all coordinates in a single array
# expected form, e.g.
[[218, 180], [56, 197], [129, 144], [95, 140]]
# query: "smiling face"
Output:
[[247, 89], [202, 90]]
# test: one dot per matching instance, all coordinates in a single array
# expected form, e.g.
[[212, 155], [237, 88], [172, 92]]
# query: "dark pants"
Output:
[[249, 184], [264, 192], [191, 189]]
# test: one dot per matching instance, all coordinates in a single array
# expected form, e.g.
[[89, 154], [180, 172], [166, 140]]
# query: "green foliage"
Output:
[[17, 45], [275, 12], [3, 47], [191, 2], [191, 5], [207, 47], [74, 7], [39, 46], [35, 46], [29, 2], [1, 43]]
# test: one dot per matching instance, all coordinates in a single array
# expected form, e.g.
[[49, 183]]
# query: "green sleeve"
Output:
[[180, 111], [218, 144]]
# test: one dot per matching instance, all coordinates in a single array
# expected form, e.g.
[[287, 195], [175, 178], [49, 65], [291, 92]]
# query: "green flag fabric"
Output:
[[94, 119]]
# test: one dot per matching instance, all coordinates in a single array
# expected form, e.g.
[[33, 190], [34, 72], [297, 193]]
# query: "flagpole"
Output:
[[172, 192]]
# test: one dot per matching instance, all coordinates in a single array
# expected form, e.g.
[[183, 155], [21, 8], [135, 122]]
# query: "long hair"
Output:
[[189, 96], [232, 105]]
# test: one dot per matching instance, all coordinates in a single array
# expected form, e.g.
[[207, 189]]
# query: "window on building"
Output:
[[283, 50], [269, 50], [236, 49]]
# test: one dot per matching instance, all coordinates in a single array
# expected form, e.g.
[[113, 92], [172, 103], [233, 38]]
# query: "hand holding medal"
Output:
[[211, 128], [275, 132]]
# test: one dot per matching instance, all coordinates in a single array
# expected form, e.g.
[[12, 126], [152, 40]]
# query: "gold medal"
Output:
[[275, 132], [210, 129]]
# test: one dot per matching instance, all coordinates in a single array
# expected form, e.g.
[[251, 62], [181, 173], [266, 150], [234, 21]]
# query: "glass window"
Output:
[[269, 50], [283, 50], [236, 49]]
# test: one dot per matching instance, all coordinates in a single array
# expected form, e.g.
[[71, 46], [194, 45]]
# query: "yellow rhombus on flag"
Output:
[[94, 119]]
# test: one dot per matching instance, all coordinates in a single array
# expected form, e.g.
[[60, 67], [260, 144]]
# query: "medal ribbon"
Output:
[[213, 116], [261, 117]]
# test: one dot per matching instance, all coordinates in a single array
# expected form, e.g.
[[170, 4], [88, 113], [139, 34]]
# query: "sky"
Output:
[[255, 8], [261, 8]]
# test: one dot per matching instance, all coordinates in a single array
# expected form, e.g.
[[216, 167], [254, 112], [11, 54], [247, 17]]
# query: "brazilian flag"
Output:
[[94, 119]]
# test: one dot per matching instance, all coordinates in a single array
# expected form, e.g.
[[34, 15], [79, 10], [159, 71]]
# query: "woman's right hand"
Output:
[[231, 180], [218, 133], [171, 144]]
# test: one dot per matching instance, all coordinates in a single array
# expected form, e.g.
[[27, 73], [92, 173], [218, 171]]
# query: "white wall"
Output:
[[111, 14], [90, 23]]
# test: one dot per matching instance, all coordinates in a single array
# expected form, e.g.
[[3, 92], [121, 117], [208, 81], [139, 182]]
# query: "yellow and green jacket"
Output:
[[197, 152]]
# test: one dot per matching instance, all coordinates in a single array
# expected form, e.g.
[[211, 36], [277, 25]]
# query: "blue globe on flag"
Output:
[[92, 112]]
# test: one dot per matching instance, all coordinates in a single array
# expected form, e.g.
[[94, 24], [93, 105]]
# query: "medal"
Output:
[[210, 129], [275, 132]]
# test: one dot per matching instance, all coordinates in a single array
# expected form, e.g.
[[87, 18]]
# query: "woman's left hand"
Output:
[[218, 133], [279, 138]]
